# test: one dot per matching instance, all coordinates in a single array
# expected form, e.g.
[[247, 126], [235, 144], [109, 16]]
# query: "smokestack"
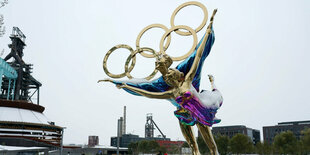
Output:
[[124, 123]]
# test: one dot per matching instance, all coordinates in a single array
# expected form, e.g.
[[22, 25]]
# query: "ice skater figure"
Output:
[[180, 86]]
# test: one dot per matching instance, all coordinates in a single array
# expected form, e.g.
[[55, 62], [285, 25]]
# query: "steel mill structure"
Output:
[[22, 121], [149, 127]]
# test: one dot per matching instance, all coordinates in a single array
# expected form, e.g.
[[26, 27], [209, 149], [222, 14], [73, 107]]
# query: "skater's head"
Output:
[[164, 63], [173, 77]]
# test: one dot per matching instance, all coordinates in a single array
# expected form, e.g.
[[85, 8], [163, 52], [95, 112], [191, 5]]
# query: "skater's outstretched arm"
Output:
[[159, 95], [191, 74]]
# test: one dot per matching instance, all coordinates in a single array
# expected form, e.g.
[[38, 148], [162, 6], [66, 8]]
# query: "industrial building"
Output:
[[126, 139], [96, 150], [123, 139], [170, 144], [93, 141], [22, 121], [230, 131], [296, 127]]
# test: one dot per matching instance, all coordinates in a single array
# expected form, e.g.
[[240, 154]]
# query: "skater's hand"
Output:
[[105, 80], [211, 78], [123, 85]]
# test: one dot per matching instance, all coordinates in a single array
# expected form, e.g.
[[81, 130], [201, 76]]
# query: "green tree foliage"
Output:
[[203, 148], [185, 144], [241, 144], [285, 143], [152, 146], [222, 143], [263, 148], [145, 146], [133, 148], [174, 149], [305, 140], [162, 149]]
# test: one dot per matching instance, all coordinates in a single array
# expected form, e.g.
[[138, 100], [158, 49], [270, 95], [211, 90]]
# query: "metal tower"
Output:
[[25, 83], [124, 122], [149, 127]]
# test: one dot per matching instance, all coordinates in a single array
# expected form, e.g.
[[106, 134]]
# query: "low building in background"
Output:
[[85, 150], [230, 131], [93, 141], [126, 139], [296, 127], [13, 150], [171, 145]]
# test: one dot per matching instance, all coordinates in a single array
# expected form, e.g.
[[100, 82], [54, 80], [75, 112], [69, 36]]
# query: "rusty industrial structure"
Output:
[[22, 122], [24, 82], [149, 127]]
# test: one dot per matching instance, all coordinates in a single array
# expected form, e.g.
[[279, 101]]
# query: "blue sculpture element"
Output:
[[159, 85], [10, 73]]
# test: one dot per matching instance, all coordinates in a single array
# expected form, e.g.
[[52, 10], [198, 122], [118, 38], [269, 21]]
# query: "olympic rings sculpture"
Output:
[[163, 47]]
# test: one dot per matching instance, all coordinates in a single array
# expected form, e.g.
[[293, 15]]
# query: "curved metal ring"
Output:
[[107, 56], [144, 30], [176, 28], [204, 9], [133, 55]]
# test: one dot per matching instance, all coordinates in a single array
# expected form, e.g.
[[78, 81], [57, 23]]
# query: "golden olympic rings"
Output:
[[204, 9], [176, 28], [132, 57], [147, 28], [162, 46], [107, 56]]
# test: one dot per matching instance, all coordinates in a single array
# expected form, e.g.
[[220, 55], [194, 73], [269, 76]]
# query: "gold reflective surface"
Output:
[[147, 28], [164, 42], [207, 136], [205, 12], [106, 57], [179, 84], [132, 57], [175, 29], [190, 138]]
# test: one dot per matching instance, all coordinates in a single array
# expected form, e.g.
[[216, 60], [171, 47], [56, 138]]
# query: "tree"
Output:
[[263, 148], [143, 146], [185, 144], [162, 149], [2, 28], [133, 148], [152, 146], [285, 143], [241, 144], [174, 149], [305, 140], [203, 148], [3, 3], [222, 143]]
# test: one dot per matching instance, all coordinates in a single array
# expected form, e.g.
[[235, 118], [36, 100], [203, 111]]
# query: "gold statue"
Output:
[[181, 88]]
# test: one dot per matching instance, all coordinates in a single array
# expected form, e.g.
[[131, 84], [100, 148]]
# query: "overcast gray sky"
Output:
[[260, 60]]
